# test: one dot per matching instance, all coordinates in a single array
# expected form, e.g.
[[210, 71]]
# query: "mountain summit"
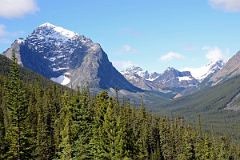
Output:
[[68, 58], [207, 71]]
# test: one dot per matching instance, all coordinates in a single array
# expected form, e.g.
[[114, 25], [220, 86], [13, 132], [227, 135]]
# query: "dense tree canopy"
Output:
[[38, 122]]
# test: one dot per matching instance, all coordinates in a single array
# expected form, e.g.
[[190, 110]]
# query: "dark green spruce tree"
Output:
[[18, 133], [65, 133], [82, 125]]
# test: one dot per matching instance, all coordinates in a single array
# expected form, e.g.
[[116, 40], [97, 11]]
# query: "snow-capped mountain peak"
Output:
[[47, 24], [55, 32], [207, 70], [139, 72]]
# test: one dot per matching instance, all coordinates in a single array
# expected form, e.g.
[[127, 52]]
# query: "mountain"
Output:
[[205, 72], [68, 58], [231, 69], [170, 80], [134, 70], [140, 78], [175, 80]]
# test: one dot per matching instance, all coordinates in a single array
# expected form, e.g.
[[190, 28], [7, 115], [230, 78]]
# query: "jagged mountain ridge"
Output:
[[68, 58], [170, 80]]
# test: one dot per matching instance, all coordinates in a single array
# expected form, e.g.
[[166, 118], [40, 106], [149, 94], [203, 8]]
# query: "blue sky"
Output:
[[153, 34]]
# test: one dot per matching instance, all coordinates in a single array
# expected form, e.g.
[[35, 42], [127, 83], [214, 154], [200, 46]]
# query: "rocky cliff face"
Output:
[[68, 58], [231, 69]]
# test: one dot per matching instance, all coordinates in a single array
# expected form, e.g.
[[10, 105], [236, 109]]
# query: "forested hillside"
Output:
[[39, 121], [211, 104]]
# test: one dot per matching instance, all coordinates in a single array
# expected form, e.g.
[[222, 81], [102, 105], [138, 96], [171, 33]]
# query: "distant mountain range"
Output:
[[172, 79], [75, 61]]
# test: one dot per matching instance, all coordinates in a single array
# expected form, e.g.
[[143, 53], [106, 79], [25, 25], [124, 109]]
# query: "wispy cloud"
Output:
[[226, 5], [122, 65], [170, 56], [17, 8], [214, 53]]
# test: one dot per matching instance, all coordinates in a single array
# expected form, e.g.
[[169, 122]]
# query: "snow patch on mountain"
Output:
[[59, 69], [151, 79], [185, 78], [63, 80]]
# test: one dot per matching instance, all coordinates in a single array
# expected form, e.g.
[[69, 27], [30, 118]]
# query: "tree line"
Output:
[[44, 123]]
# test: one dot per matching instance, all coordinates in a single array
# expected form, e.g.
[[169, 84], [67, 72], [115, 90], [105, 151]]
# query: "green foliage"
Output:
[[41, 120], [65, 133], [18, 133]]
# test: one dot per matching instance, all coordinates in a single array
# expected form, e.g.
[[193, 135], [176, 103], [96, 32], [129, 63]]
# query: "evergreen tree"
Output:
[[2, 134], [188, 152], [42, 145], [18, 133], [100, 108], [66, 119], [82, 124], [144, 133], [223, 149]]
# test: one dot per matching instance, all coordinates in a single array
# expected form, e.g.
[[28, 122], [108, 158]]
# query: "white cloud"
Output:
[[17, 8], [122, 65], [213, 53], [226, 5], [170, 56]]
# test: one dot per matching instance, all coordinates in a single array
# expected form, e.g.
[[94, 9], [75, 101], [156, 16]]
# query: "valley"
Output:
[[75, 61]]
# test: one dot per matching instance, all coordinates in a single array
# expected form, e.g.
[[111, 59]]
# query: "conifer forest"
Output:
[[42, 120]]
